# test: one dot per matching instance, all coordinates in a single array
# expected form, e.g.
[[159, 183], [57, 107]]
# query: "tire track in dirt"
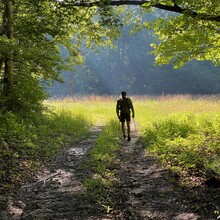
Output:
[[147, 191], [57, 192]]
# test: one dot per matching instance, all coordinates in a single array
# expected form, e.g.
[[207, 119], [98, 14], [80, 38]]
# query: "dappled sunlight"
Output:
[[57, 191]]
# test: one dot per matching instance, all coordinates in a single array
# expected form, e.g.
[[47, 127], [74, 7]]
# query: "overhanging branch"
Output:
[[174, 8]]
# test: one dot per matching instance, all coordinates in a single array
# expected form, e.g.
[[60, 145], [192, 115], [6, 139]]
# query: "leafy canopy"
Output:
[[191, 31], [192, 34], [42, 29]]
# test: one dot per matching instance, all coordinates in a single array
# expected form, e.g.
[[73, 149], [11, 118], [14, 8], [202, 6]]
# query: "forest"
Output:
[[130, 66], [64, 157]]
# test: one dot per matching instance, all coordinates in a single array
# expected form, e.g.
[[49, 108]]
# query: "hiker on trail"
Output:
[[124, 107]]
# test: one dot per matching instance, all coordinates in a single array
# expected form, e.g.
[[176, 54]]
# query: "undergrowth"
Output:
[[187, 143], [26, 144], [183, 131]]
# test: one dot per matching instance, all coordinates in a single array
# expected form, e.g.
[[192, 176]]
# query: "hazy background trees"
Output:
[[130, 66]]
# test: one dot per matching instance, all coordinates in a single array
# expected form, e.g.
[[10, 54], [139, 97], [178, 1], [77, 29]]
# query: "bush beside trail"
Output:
[[187, 143]]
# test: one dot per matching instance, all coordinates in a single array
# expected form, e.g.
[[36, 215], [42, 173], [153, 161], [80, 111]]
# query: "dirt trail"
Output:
[[143, 190], [147, 191], [56, 192]]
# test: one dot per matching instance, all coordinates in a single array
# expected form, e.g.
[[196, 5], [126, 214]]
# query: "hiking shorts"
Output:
[[125, 116]]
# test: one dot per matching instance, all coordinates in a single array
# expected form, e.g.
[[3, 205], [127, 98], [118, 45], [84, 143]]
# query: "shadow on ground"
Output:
[[57, 192], [149, 193], [143, 190]]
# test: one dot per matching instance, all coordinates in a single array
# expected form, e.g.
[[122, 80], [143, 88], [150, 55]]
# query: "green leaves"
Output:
[[42, 29], [146, 5], [181, 38]]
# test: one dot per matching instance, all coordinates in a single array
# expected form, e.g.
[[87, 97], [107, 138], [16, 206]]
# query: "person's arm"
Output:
[[117, 109], [132, 108]]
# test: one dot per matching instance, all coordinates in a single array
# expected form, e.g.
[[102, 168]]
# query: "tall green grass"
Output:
[[186, 141], [150, 109], [97, 109], [183, 132]]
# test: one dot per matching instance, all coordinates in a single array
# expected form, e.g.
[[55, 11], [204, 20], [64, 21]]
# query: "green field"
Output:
[[183, 132]]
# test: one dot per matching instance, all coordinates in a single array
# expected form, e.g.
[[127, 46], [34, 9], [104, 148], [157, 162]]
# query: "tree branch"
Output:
[[174, 8]]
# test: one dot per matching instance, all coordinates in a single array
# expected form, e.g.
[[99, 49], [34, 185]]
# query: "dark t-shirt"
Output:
[[124, 105]]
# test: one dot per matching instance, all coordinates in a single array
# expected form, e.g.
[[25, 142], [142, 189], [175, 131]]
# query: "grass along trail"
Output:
[[141, 190]]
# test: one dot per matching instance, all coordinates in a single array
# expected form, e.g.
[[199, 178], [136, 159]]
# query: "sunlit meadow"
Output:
[[100, 109], [182, 131]]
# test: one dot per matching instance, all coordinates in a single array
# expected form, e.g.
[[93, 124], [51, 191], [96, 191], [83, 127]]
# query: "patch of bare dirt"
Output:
[[149, 191], [56, 193]]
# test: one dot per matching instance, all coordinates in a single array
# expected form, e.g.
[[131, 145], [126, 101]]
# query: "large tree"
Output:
[[31, 35]]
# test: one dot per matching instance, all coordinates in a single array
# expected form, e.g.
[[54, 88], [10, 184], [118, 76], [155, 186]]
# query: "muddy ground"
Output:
[[144, 190]]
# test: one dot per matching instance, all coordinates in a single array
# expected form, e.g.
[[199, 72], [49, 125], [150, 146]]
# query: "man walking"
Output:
[[124, 107]]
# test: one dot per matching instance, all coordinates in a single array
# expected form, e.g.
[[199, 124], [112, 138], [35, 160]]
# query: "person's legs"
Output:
[[122, 120], [123, 129], [129, 130], [128, 120]]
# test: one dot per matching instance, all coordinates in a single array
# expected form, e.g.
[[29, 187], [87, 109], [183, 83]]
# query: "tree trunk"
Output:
[[8, 77]]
